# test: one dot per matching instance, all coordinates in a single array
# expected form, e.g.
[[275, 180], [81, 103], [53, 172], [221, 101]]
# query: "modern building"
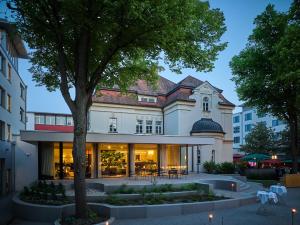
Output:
[[245, 120], [12, 101], [49, 121], [176, 126]]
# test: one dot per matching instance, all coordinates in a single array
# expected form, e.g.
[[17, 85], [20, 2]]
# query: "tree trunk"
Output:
[[79, 156], [294, 145]]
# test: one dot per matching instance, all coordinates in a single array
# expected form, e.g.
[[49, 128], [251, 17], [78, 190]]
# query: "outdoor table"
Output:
[[278, 189], [264, 197]]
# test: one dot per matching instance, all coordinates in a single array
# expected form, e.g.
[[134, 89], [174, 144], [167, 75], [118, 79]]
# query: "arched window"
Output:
[[205, 104], [213, 156]]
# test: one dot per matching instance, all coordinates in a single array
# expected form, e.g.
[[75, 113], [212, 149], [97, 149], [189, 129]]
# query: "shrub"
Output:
[[210, 167], [261, 174], [226, 168]]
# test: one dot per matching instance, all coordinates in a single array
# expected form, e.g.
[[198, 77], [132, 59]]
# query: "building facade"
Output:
[[176, 126], [244, 121], [49, 121], [12, 101]]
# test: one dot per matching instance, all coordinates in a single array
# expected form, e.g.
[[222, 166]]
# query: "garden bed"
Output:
[[158, 199]]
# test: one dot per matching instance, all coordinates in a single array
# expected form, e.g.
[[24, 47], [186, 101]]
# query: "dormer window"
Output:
[[149, 99], [205, 104]]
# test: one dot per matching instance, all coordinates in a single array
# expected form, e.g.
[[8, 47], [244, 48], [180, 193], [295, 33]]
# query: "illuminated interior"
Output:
[[145, 158], [113, 159]]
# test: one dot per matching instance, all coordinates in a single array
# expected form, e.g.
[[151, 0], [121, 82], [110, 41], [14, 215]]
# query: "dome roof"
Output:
[[207, 126]]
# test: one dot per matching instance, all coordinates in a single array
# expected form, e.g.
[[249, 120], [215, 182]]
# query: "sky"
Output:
[[239, 16]]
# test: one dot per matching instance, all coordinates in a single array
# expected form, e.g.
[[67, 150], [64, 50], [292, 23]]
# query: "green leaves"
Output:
[[125, 39], [260, 140]]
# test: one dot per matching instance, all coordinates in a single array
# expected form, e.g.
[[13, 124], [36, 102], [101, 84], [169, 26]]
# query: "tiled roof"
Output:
[[166, 92]]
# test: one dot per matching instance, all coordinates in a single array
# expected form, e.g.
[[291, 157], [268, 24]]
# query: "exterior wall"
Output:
[[30, 121], [11, 86], [26, 163], [127, 116], [267, 119]]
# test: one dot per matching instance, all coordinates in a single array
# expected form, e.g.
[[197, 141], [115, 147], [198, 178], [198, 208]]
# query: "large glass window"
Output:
[[2, 130], [22, 114], [149, 126], [112, 125], [145, 159], [139, 126], [113, 159]]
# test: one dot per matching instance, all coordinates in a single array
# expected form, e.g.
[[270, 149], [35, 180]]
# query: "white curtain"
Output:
[[47, 160]]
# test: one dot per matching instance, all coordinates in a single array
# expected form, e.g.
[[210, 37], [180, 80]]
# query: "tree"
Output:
[[85, 44], [261, 139], [267, 71]]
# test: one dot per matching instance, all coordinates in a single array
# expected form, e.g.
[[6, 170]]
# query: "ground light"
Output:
[[293, 211], [210, 218], [232, 186]]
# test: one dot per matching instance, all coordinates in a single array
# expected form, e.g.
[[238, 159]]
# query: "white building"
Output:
[[12, 100], [174, 127], [244, 121]]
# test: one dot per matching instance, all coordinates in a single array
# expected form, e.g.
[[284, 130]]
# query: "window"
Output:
[[236, 129], [205, 104], [61, 120], [39, 119], [22, 115], [263, 122], [22, 88], [2, 97], [2, 64], [248, 127], [148, 126], [274, 123], [50, 120], [69, 121], [112, 125], [9, 73], [213, 155], [236, 119], [2, 130], [236, 140], [248, 116], [8, 103], [147, 99], [158, 128], [139, 126], [8, 132]]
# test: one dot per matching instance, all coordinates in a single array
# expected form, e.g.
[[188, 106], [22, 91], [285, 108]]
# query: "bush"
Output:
[[210, 166], [261, 174], [226, 168], [44, 193]]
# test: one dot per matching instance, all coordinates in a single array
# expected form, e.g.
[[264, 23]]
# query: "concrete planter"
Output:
[[45, 213]]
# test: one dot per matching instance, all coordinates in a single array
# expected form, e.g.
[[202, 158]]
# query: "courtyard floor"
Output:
[[246, 215]]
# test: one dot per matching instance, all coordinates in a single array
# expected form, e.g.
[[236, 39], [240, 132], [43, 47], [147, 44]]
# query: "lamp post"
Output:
[[294, 211], [210, 217]]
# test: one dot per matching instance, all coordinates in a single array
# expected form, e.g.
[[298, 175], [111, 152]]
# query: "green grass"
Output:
[[265, 183]]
